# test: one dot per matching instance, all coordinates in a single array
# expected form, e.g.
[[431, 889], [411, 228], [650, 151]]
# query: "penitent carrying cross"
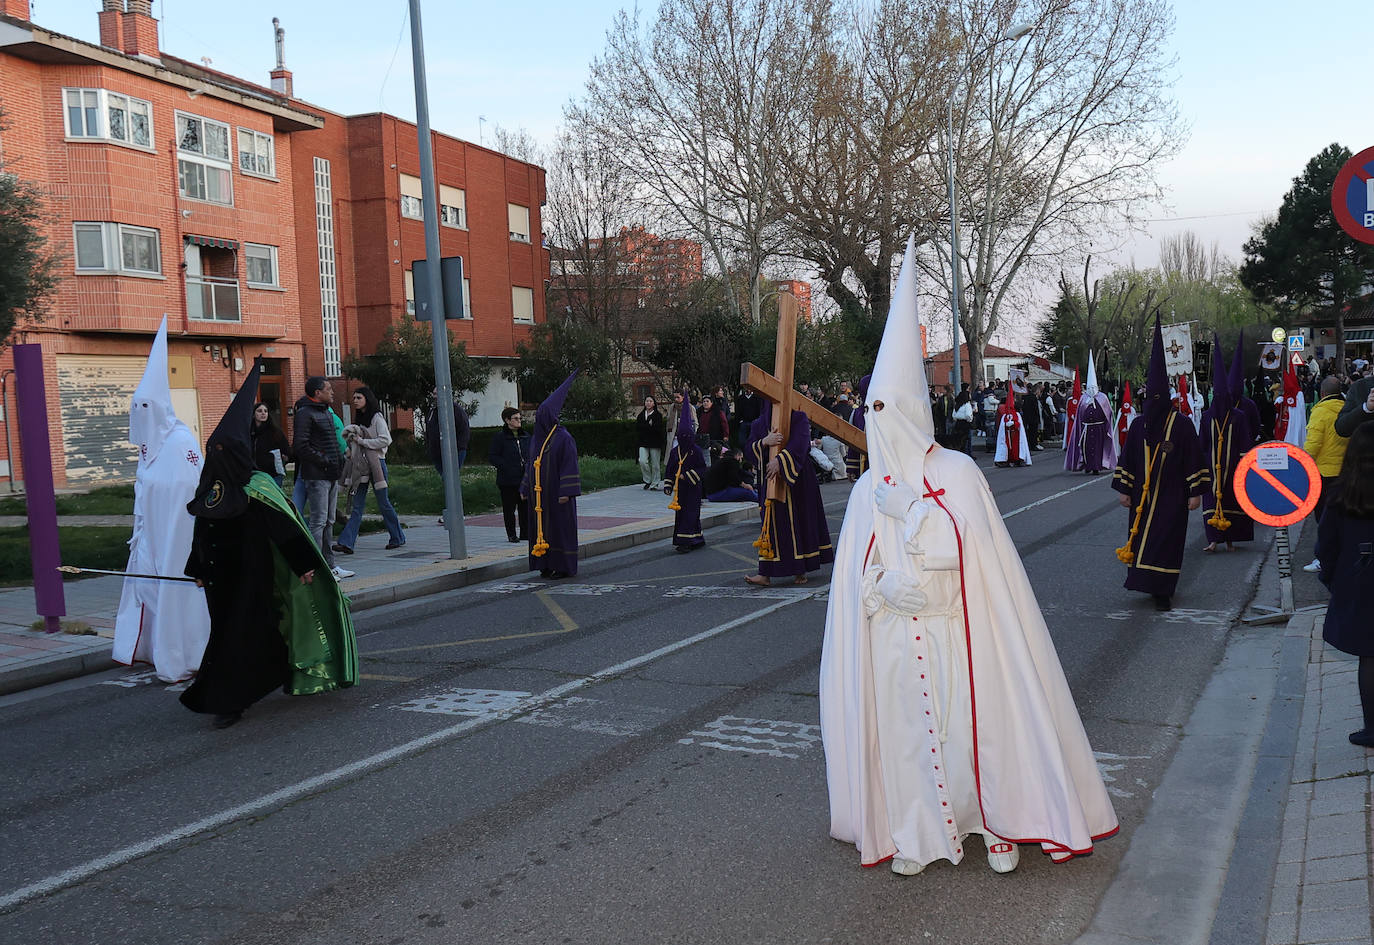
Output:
[[777, 388]]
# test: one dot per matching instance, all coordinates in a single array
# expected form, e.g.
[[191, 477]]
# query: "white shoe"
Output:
[[1003, 856], [906, 867], [341, 573], [1314, 567]]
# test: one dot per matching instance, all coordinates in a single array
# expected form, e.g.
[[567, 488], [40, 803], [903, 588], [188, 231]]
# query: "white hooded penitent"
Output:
[[164, 623], [936, 654]]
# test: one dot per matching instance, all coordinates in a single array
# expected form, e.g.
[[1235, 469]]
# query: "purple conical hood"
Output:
[[547, 414], [1157, 401], [1223, 398], [1235, 380], [686, 421], [863, 387]]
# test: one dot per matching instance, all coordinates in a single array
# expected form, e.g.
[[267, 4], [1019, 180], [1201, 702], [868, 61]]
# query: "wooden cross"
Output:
[[777, 389]]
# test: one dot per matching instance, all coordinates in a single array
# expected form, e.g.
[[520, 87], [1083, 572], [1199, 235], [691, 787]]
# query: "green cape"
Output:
[[316, 624]]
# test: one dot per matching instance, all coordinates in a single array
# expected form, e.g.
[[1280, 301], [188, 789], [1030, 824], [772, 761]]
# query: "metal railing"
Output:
[[212, 300]]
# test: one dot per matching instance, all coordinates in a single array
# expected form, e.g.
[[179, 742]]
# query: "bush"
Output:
[[407, 449], [609, 439]]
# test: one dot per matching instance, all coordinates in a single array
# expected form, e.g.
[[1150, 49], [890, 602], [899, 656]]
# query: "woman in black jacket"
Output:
[[268, 439], [650, 431], [1345, 548], [509, 451]]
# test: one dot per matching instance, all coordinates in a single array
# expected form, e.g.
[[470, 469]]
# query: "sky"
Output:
[[1262, 84]]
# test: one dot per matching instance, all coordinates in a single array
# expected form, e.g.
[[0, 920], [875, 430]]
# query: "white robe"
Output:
[[164, 623], [1023, 444], [959, 721]]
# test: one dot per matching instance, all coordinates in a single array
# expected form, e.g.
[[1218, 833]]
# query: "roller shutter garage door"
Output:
[[94, 391]]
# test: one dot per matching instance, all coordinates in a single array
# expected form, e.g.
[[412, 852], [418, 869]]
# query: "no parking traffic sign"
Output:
[[1277, 483], [1352, 196]]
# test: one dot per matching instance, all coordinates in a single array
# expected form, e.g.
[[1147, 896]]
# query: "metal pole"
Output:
[[430, 298], [957, 374]]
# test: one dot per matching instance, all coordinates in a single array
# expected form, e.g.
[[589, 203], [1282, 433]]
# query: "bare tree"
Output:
[[857, 181], [1110, 315], [697, 109], [1057, 138]]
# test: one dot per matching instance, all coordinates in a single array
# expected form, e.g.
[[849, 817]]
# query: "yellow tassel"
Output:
[[541, 547], [1218, 520], [765, 543], [677, 478], [1124, 553]]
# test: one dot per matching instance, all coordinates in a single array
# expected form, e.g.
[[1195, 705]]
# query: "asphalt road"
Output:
[[630, 757]]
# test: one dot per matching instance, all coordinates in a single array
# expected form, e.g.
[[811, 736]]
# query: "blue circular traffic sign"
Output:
[[1277, 483], [1352, 196]]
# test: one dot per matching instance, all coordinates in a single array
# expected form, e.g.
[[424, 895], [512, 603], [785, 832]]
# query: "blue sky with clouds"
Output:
[[1264, 85]]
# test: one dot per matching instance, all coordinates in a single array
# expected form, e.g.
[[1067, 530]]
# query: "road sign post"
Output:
[[1278, 484]]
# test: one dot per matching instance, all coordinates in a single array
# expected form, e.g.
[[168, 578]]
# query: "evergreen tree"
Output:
[[1302, 261]]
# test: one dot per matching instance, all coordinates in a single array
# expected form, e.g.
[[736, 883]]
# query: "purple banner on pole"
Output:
[[41, 500]]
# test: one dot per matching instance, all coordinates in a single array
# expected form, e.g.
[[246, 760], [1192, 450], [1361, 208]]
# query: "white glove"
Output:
[[894, 500], [901, 593]]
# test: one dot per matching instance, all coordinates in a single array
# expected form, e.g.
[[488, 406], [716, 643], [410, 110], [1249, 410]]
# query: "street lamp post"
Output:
[[957, 371], [1062, 352]]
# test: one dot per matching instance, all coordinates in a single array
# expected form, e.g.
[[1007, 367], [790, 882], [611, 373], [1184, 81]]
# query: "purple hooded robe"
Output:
[[1093, 432], [1164, 441], [553, 467], [684, 469], [855, 462], [796, 525], [1228, 435]]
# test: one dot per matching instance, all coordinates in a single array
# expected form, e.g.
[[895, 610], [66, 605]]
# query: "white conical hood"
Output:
[[151, 417], [900, 433], [1091, 385]]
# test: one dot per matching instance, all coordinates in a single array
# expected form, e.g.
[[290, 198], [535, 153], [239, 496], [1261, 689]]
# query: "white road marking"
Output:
[[1107, 765], [1201, 618], [291, 792], [595, 716], [145, 678], [1092, 481], [756, 736], [768, 593]]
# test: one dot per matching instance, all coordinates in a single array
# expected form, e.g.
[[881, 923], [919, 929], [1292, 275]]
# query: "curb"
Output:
[[446, 576]]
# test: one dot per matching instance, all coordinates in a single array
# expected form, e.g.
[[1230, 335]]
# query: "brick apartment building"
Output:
[[257, 223]]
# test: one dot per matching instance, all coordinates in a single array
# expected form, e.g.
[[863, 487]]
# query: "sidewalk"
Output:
[[608, 520]]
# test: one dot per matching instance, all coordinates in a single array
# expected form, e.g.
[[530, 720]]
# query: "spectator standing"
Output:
[[1326, 446], [1029, 404], [318, 464], [651, 431], [462, 434], [1345, 548], [963, 423], [711, 421], [746, 412], [271, 450], [509, 453], [364, 464], [1358, 407]]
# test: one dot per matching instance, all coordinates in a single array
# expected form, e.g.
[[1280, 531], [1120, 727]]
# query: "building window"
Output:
[[522, 304], [519, 222], [329, 290], [117, 247], [203, 160], [262, 265], [109, 116], [452, 207], [257, 153], [410, 292], [412, 202]]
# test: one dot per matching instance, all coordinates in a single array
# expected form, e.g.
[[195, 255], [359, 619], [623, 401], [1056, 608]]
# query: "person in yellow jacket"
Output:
[[1325, 445]]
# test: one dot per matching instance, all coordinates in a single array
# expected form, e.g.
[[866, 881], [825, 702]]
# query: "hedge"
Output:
[[609, 439]]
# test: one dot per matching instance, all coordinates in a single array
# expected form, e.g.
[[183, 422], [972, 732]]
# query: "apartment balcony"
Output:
[[212, 300]]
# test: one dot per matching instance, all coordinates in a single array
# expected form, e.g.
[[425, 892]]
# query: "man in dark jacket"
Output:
[[462, 433], [1359, 406], [318, 461], [746, 412], [509, 452]]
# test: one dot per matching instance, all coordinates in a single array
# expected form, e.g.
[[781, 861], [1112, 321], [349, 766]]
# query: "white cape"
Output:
[[1023, 444], [1011, 757]]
